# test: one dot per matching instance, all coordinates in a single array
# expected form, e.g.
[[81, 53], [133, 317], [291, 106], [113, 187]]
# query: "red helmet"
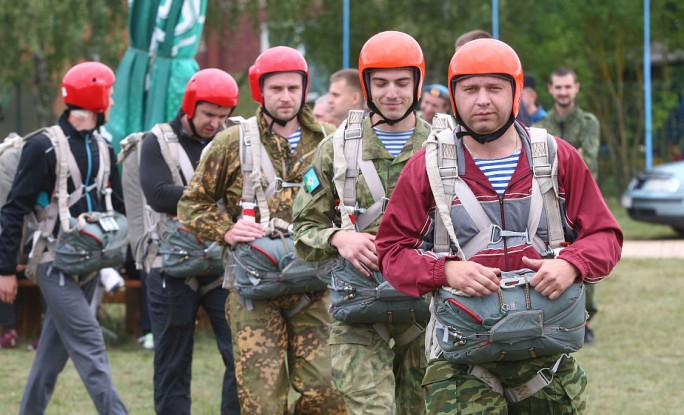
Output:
[[88, 85], [487, 57], [210, 85], [276, 59], [391, 50]]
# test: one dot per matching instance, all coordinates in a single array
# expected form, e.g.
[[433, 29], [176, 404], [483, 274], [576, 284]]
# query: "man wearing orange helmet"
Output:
[[279, 341], [210, 97], [491, 180], [376, 338], [70, 329]]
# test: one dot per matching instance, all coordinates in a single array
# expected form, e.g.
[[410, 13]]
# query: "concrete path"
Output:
[[671, 248]]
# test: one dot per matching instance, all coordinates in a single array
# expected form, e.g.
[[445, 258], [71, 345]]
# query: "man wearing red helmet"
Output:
[[378, 356], [494, 155], [70, 329], [279, 342], [210, 97]]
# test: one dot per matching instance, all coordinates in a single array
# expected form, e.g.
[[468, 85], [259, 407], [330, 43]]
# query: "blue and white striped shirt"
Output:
[[499, 171], [394, 141], [294, 139]]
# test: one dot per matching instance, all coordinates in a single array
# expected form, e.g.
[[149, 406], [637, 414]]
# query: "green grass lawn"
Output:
[[634, 367]]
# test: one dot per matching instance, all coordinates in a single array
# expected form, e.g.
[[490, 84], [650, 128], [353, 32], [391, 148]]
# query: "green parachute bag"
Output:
[[356, 298], [101, 243], [517, 324], [268, 268], [184, 255]]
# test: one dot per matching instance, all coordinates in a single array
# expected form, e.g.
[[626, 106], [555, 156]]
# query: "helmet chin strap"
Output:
[[483, 138], [279, 121], [389, 121]]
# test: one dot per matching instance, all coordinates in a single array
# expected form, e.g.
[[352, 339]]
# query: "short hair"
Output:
[[529, 82], [472, 35], [563, 71], [322, 98], [350, 76]]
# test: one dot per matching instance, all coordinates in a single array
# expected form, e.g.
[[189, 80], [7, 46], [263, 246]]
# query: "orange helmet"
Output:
[[210, 85], [276, 59], [486, 57], [391, 50], [88, 85]]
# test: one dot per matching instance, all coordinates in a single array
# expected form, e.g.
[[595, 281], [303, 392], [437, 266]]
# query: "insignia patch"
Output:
[[311, 182]]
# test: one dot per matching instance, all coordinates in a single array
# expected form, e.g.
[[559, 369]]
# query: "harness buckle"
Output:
[[281, 185], [542, 170]]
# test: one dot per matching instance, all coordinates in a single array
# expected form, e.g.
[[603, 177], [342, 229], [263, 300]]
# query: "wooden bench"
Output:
[[29, 308]]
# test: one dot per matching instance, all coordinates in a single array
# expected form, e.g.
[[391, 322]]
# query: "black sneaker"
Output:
[[589, 336]]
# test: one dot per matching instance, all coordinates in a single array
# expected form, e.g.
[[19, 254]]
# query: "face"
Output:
[[430, 105], [283, 94], [342, 99], [564, 89], [484, 103], [322, 112], [392, 91], [528, 97], [209, 118]]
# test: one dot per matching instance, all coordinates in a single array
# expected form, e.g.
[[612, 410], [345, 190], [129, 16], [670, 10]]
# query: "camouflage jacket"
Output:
[[209, 206], [579, 128], [315, 216]]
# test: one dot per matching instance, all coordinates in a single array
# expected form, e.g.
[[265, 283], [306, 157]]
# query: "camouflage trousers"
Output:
[[275, 352], [449, 389], [374, 377]]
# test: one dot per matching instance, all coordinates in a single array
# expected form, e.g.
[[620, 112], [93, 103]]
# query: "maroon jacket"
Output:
[[404, 240]]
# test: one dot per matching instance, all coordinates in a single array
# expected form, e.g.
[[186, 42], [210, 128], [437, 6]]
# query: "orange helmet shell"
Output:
[[88, 85], [276, 59], [210, 85], [391, 50], [486, 57]]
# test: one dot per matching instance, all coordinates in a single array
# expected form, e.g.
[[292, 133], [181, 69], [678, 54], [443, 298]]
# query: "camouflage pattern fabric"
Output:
[[268, 346], [315, 212], [263, 337], [449, 389], [579, 128], [218, 177], [373, 377], [370, 385]]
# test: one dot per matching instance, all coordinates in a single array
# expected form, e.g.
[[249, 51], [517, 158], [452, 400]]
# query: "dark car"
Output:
[[657, 196]]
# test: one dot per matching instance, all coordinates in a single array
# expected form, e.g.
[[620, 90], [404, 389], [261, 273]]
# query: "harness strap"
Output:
[[515, 394], [253, 159], [406, 337], [304, 301], [346, 143], [203, 289]]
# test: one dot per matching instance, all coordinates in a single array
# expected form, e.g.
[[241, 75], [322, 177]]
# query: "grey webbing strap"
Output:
[[545, 168], [171, 151], [253, 159], [377, 190], [347, 135], [514, 394], [304, 301], [406, 337], [443, 221]]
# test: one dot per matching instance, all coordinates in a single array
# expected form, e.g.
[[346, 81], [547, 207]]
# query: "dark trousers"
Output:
[[173, 309]]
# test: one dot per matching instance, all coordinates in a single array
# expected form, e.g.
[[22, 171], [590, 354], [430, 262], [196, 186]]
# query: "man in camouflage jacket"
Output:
[[376, 375], [582, 130], [268, 343]]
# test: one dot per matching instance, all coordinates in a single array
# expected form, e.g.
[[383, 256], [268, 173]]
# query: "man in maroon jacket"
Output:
[[494, 158]]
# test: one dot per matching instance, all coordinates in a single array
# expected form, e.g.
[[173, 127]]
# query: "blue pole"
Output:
[[345, 34], [647, 85], [495, 19]]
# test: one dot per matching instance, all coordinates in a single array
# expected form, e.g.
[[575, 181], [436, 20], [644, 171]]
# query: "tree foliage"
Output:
[[41, 39], [601, 40]]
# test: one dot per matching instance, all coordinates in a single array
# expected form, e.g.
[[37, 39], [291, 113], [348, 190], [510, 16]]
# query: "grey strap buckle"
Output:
[[281, 185]]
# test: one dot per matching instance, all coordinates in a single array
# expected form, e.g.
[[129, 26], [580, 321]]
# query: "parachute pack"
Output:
[[85, 244], [157, 240]]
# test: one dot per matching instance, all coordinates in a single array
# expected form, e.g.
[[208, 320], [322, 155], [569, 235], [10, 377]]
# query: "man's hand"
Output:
[[472, 278], [357, 248], [8, 288], [243, 231], [552, 277]]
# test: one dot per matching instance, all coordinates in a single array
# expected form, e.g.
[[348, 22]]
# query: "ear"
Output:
[[578, 86]]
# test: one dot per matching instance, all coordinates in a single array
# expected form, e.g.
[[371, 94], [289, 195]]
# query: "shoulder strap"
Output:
[[173, 153], [256, 188], [544, 149], [346, 146]]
